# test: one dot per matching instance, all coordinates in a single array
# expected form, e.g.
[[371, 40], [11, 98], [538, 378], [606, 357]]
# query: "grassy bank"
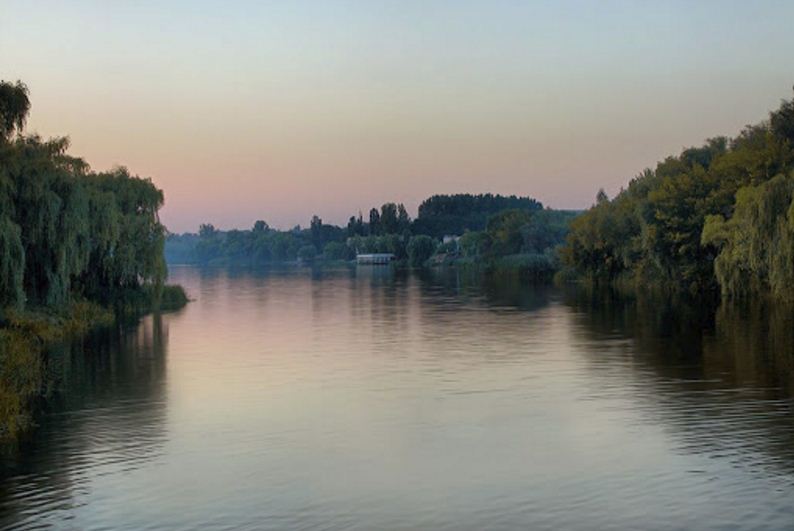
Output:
[[23, 338]]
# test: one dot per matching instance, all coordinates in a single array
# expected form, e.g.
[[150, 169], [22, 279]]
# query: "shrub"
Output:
[[420, 249], [307, 253], [337, 251]]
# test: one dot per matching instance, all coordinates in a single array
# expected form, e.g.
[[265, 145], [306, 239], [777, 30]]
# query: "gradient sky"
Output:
[[278, 110]]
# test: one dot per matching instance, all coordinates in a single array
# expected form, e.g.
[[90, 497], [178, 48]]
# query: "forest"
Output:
[[717, 217], [76, 247], [462, 229]]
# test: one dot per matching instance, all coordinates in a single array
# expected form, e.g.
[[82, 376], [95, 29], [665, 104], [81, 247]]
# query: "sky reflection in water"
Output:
[[364, 399]]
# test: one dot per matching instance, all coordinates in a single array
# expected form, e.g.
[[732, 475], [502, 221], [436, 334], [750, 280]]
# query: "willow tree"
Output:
[[65, 230], [12, 263], [756, 245], [43, 239], [14, 107], [127, 236], [49, 203], [669, 224]]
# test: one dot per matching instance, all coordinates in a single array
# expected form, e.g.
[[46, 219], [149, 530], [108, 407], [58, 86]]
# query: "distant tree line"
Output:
[[717, 216], [482, 228]]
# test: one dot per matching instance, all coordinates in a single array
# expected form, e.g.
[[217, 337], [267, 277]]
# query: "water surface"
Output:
[[366, 399]]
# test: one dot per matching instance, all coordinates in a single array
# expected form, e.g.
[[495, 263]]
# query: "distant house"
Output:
[[450, 238], [375, 258]]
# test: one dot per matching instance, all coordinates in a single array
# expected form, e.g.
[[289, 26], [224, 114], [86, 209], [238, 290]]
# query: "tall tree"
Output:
[[374, 222], [403, 219], [316, 228], [14, 108], [388, 218]]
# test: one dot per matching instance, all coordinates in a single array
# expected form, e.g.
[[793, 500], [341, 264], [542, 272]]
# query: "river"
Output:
[[368, 399]]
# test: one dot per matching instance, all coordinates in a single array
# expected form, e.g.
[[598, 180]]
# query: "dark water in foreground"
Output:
[[368, 401]]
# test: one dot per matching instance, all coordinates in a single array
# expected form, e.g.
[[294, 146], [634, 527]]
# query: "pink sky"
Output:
[[250, 111]]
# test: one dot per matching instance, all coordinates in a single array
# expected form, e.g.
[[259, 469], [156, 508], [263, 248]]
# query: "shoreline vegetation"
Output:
[[79, 249], [716, 220], [487, 231], [25, 337]]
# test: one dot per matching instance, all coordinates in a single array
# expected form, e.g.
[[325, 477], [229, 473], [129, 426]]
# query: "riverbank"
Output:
[[25, 336]]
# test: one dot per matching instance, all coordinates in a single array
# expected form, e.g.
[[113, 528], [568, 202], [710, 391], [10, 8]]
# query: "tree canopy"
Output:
[[441, 215], [14, 107], [66, 230], [716, 215]]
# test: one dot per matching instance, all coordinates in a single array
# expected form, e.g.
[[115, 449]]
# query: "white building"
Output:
[[375, 258]]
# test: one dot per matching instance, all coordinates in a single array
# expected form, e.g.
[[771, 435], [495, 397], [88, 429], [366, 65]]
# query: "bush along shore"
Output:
[[78, 249], [24, 338]]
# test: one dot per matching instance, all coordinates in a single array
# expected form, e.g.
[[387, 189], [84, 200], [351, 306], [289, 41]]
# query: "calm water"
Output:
[[367, 400]]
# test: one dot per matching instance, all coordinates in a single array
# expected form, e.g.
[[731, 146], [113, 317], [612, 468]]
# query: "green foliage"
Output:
[[756, 245], [307, 253], [420, 249], [12, 263], [66, 230], [530, 230], [14, 107], [374, 222], [505, 229], [20, 379], [525, 228], [782, 122], [258, 246], [441, 215], [533, 267], [388, 219], [284, 246], [355, 226], [403, 220], [23, 336], [337, 251], [603, 242], [475, 244], [513, 232], [131, 255], [387, 243], [181, 248], [546, 230], [171, 298], [520, 242], [713, 215], [449, 248], [70, 238]]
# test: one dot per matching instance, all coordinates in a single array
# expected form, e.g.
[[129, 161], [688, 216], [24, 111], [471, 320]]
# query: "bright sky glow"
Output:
[[280, 110]]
